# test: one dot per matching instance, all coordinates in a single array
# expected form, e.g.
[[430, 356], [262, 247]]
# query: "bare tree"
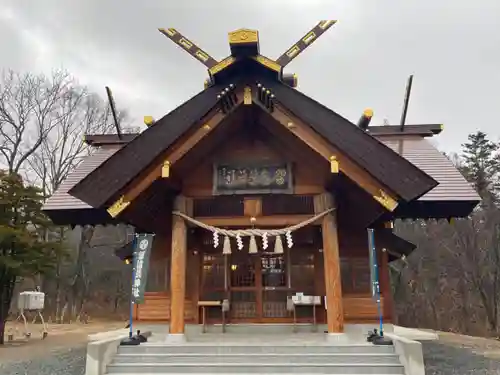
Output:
[[28, 113], [59, 112], [474, 248]]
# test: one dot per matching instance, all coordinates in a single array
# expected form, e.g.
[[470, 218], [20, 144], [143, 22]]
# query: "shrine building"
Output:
[[257, 193]]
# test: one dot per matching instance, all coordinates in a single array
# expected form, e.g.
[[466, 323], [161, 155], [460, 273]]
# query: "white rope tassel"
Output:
[[239, 242], [278, 246], [265, 242], [289, 240], [253, 246], [216, 239], [226, 249]]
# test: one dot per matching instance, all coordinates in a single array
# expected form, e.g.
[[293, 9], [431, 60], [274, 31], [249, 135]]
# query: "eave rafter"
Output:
[[229, 102], [338, 160]]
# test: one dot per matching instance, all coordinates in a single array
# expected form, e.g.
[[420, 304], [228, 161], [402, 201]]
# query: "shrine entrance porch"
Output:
[[259, 333]]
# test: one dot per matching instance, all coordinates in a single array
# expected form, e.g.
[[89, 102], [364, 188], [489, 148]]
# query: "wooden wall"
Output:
[[243, 149], [156, 306], [358, 303]]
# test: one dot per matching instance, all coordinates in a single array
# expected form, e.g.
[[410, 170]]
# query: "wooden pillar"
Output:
[[178, 268], [333, 283]]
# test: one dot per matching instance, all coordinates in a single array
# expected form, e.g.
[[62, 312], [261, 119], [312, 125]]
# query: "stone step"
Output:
[[267, 358], [154, 348], [255, 368]]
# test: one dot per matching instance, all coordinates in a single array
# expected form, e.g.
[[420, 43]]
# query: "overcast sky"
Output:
[[451, 46]]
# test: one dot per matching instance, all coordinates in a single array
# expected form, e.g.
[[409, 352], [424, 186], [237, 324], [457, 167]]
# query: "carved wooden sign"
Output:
[[252, 179]]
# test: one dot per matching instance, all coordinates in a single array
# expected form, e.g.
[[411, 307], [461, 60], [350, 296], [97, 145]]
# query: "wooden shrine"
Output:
[[257, 193]]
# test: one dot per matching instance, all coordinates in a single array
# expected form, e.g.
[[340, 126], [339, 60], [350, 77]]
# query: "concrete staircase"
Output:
[[253, 358]]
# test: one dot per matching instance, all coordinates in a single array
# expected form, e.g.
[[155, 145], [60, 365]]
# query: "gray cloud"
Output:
[[450, 46]]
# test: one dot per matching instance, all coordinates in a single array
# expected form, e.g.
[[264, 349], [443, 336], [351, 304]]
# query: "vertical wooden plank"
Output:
[[385, 281], [335, 311], [252, 207], [259, 291], [319, 281], [178, 268], [196, 267], [135, 310]]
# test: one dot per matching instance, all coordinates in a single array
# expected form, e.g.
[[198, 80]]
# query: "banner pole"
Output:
[[375, 278], [131, 307]]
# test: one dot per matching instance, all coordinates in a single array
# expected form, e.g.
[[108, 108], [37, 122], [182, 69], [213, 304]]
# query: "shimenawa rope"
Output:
[[253, 231]]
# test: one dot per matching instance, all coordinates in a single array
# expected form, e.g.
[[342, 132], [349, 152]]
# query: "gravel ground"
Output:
[[67, 362], [440, 359]]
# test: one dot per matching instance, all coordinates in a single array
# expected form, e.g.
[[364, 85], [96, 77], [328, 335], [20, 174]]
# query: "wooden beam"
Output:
[[252, 207], [174, 153], [201, 192], [178, 268], [333, 281], [262, 221], [356, 173]]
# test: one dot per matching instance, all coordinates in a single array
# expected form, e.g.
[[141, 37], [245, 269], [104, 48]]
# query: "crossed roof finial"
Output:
[[245, 42]]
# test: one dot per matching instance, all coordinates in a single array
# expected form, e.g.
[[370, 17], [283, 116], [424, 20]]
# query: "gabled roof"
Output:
[[427, 130], [116, 172], [420, 152], [63, 209], [385, 165], [380, 161], [61, 199]]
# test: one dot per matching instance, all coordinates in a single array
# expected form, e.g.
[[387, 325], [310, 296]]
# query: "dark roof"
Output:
[[427, 130], [126, 251], [399, 175], [385, 238], [108, 139], [116, 172], [453, 197]]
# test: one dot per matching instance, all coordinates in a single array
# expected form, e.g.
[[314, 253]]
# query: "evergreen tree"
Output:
[[24, 252], [481, 165]]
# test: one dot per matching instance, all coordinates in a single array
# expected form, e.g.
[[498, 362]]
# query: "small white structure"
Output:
[[30, 301]]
